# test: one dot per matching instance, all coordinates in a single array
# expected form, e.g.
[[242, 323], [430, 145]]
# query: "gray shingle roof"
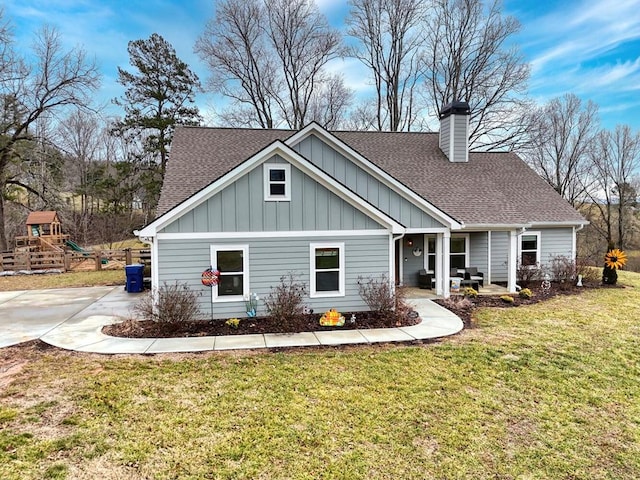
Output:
[[492, 188]]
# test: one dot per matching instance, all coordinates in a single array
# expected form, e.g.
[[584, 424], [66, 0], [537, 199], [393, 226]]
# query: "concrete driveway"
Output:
[[30, 314]]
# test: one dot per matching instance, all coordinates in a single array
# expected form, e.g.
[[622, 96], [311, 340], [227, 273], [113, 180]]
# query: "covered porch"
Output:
[[439, 253]]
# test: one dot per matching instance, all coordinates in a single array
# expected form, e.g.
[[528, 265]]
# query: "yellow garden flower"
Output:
[[615, 258]]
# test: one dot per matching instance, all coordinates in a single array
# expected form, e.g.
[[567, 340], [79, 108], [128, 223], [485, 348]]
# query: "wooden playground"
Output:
[[45, 247]]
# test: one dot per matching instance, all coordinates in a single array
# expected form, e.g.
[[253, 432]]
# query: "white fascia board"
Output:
[[494, 226], [287, 153], [374, 170], [414, 231], [559, 224], [273, 234]]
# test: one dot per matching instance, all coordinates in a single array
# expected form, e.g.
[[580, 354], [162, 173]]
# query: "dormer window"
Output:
[[277, 182]]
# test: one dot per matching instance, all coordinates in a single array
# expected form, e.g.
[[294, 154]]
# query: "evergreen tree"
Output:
[[159, 95]]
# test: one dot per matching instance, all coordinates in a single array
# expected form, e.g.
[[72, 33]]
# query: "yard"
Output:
[[550, 390]]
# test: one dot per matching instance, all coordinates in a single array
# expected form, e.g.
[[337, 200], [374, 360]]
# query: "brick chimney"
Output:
[[454, 131]]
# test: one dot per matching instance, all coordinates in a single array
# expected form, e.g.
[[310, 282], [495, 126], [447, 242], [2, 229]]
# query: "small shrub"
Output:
[[285, 301], [382, 298], [377, 293], [589, 272], [176, 305], [528, 273], [457, 302], [469, 292], [563, 270], [525, 293], [507, 298], [233, 322]]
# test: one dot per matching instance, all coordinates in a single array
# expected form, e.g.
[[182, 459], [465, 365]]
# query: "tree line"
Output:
[[273, 61]]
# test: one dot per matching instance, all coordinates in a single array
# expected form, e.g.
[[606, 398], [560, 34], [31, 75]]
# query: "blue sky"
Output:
[[590, 48]]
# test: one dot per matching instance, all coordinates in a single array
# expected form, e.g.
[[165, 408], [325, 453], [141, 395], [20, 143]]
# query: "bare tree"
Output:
[[391, 37], [270, 57], [79, 135], [55, 81], [561, 143], [616, 160], [467, 58]]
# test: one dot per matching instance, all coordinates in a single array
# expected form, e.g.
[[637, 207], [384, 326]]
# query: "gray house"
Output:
[[333, 206]]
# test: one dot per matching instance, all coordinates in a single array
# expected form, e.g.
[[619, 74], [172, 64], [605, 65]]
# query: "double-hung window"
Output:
[[233, 263], [327, 270], [459, 251], [530, 248], [277, 182]]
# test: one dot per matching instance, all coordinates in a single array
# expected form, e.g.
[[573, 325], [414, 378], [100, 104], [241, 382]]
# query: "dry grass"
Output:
[[546, 391], [62, 280]]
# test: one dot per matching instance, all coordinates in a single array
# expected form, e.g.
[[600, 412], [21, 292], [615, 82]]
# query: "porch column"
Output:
[[512, 261], [446, 264], [488, 276], [438, 270]]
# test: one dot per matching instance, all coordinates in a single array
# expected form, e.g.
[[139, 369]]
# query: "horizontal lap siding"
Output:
[[365, 185], [555, 242], [478, 251], [499, 256], [270, 259]]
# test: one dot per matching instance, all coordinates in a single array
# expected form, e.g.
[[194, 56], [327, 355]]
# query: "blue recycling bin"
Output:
[[135, 278]]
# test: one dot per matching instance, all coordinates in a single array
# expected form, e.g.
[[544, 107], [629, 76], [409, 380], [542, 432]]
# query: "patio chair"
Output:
[[472, 274]]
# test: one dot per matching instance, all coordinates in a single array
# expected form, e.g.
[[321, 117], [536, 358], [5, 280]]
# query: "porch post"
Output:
[[438, 269], [512, 261], [488, 278], [446, 264]]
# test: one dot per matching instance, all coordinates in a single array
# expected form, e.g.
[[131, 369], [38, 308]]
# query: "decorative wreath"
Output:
[[210, 277]]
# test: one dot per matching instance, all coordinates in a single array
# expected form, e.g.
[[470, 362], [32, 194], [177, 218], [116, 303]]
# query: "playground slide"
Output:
[[74, 246]]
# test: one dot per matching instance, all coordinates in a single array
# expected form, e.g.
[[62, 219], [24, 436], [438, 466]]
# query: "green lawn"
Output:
[[546, 391]]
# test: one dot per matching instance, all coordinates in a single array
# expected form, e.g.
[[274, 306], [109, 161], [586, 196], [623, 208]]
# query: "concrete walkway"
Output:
[[72, 318]]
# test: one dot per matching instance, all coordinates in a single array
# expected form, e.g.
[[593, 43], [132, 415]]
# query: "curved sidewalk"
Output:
[[81, 331]]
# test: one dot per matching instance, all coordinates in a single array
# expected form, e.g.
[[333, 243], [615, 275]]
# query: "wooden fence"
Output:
[[73, 261]]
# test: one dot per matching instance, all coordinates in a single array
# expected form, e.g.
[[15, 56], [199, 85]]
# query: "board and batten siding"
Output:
[[365, 185], [183, 261], [241, 207]]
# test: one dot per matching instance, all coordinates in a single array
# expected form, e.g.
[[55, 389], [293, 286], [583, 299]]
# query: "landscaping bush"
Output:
[[457, 302], [528, 273], [563, 270], [382, 298], [525, 293], [285, 301], [378, 294], [470, 292], [176, 305], [507, 298], [590, 273]]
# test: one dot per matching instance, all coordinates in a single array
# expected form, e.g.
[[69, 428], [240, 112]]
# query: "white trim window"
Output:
[[233, 263], [277, 182], [529, 249], [326, 270], [459, 251], [430, 254]]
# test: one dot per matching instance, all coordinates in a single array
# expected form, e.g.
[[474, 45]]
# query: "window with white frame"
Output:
[[430, 256], [327, 270], [277, 182], [529, 248], [232, 261], [459, 250]]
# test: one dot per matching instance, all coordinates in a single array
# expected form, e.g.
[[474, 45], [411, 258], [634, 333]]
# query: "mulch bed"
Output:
[[305, 323], [465, 310]]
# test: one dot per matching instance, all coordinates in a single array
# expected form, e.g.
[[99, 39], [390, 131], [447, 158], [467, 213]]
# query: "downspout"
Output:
[[395, 239]]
